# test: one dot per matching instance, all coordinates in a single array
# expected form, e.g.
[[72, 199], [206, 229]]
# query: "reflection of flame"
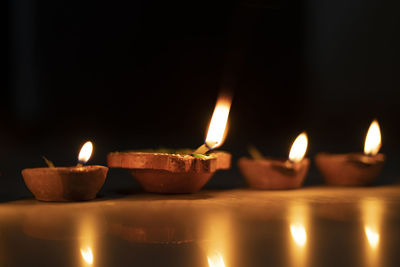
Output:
[[87, 255], [216, 129], [299, 148], [373, 139], [372, 236], [299, 234], [372, 212], [86, 152], [216, 260]]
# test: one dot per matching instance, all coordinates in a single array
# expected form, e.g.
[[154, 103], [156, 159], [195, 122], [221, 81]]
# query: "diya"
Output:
[[66, 183], [354, 169], [270, 174], [179, 171]]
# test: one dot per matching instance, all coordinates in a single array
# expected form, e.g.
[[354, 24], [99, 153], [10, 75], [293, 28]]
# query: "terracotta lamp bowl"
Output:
[[353, 169], [170, 173], [271, 174], [65, 183]]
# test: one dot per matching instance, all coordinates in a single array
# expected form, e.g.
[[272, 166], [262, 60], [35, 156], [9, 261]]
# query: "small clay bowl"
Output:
[[354, 169], [65, 183], [170, 173], [272, 174]]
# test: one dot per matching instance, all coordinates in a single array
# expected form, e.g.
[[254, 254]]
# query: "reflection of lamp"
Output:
[[218, 232], [372, 214], [372, 236], [61, 222], [216, 260], [298, 216], [87, 255], [155, 225], [299, 234]]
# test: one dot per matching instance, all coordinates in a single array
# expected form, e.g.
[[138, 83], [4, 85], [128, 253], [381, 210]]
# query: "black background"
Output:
[[145, 74]]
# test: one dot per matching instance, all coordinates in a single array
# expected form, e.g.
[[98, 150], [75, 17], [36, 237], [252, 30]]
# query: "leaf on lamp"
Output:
[[254, 152], [200, 156], [49, 163]]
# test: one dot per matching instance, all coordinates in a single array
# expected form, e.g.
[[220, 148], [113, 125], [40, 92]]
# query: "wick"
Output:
[[254, 152], [203, 149], [289, 164], [49, 163], [80, 164]]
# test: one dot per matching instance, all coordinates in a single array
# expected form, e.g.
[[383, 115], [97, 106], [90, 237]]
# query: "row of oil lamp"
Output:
[[188, 171]]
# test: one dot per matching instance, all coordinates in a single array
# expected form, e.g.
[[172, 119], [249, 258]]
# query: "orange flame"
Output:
[[373, 139], [299, 148], [86, 152], [216, 130]]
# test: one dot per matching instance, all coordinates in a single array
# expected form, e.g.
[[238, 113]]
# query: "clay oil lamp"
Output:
[[66, 183], [184, 171], [270, 174], [354, 169]]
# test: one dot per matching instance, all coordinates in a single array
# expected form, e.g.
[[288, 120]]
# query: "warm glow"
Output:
[[216, 260], [216, 129], [299, 234], [373, 139], [87, 255], [299, 148], [372, 236], [86, 152]]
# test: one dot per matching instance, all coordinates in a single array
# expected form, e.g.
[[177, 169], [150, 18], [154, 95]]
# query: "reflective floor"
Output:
[[316, 226]]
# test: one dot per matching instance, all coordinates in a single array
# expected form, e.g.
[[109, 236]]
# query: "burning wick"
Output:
[[216, 130], [298, 149], [373, 139], [85, 153]]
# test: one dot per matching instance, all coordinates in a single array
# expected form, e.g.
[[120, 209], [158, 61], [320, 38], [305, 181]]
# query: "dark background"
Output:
[[145, 74]]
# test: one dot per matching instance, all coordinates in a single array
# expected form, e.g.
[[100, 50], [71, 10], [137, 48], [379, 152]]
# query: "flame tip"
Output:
[[299, 147], [85, 152], [217, 128], [373, 140]]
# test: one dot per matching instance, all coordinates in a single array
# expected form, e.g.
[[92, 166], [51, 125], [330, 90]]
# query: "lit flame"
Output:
[[216, 129], [299, 234], [216, 260], [86, 152], [299, 148], [373, 139], [372, 236], [87, 255]]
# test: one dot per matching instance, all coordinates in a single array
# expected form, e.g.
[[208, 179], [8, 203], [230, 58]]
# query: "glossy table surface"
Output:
[[314, 226]]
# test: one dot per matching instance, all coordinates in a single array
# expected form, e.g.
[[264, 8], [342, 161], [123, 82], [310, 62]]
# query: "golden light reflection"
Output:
[[216, 260], [86, 152], [299, 148], [299, 234], [87, 241], [373, 140], [372, 215], [298, 237], [87, 255], [372, 236], [219, 237], [216, 129]]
